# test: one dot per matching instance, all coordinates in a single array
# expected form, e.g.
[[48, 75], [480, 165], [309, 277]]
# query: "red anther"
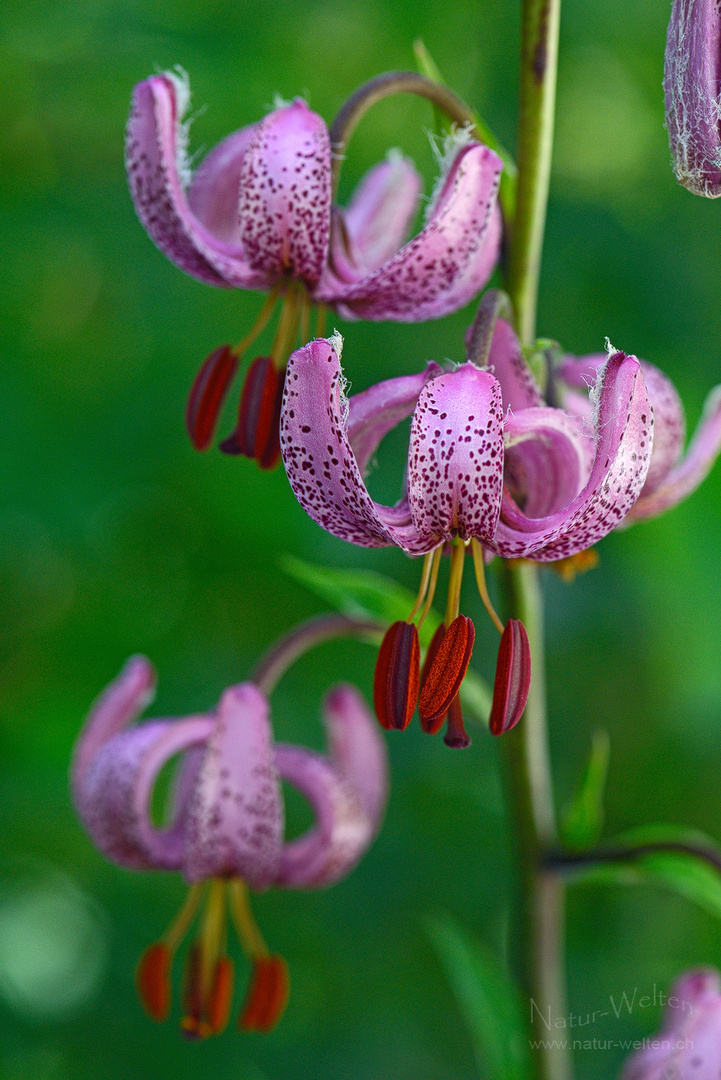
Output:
[[221, 995], [152, 979], [513, 678], [446, 673], [456, 734], [207, 395], [397, 676], [267, 995], [432, 729], [257, 433]]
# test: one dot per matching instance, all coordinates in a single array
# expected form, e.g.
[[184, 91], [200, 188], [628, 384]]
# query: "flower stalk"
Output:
[[527, 765]]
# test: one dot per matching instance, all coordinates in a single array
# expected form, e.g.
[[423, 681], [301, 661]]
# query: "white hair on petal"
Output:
[[445, 150], [179, 78]]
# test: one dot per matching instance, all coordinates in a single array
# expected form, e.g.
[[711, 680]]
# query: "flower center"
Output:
[[207, 993]]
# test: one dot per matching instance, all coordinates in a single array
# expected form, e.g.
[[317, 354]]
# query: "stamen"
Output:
[[247, 929], [479, 565], [179, 928], [202, 967], [456, 734], [267, 995], [192, 1024], [207, 395], [152, 980], [221, 995], [425, 578], [436, 556], [575, 564], [257, 433], [431, 652], [446, 673], [288, 324], [260, 323], [513, 678], [397, 676], [455, 580], [321, 321]]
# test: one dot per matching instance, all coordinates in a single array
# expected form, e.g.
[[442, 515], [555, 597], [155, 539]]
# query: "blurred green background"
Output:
[[116, 537]]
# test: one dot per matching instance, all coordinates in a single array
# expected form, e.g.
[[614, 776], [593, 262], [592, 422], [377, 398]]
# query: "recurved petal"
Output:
[[375, 411], [455, 464], [357, 750], [157, 173], [234, 822], [548, 459], [285, 194], [214, 191], [380, 212], [320, 463], [624, 432], [669, 426], [448, 262], [507, 363], [686, 476], [119, 704], [342, 830], [113, 794]]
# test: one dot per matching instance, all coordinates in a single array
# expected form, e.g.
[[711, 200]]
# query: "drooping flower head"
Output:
[[225, 832], [257, 214], [688, 1047]]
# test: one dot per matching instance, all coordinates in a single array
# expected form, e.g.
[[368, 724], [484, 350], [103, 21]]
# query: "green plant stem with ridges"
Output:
[[540, 921]]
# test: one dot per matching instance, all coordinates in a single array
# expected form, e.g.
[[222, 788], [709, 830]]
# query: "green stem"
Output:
[[540, 930], [527, 764], [539, 58]]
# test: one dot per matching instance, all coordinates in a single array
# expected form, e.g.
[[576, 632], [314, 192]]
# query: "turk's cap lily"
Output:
[[692, 73], [688, 1047], [227, 816], [537, 484], [257, 212], [672, 474], [454, 461]]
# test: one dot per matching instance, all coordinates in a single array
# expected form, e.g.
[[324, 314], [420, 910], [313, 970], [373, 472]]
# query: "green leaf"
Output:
[[488, 1000], [507, 192], [360, 593], [668, 855], [365, 594], [583, 819]]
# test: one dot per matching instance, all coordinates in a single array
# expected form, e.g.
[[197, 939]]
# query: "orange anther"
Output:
[[152, 979], [267, 995], [445, 673], [513, 678]]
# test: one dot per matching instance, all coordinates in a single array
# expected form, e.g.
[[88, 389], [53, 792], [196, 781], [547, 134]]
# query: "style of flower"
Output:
[[688, 1047], [672, 475], [225, 832], [257, 214]]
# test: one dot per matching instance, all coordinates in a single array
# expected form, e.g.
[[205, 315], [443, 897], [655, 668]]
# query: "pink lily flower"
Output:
[[688, 1047], [257, 212], [672, 475], [533, 485], [226, 826]]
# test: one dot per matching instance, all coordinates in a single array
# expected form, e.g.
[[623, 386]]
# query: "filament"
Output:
[[179, 928], [479, 565], [435, 567], [458, 555], [260, 323], [425, 578], [249, 933]]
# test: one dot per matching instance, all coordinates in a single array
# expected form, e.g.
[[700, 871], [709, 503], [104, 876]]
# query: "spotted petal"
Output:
[[455, 463], [235, 820], [624, 431], [347, 794], [320, 463], [447, 263], [373, 226], [285, 194], [687, 474], [155, 160]]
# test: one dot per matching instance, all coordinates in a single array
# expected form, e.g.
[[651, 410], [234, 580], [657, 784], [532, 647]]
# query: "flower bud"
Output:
[[691, 85]]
